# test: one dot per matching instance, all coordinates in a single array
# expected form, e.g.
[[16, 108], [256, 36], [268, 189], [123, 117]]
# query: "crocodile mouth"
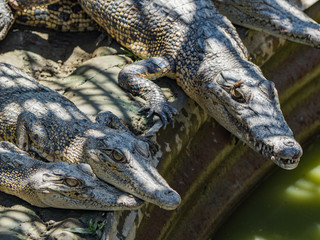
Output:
[[118, 202], [283, 150], [268, 151], [160, 195]]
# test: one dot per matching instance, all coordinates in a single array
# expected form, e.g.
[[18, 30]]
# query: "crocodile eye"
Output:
[[118, 156], [72, 182], [236, 94]]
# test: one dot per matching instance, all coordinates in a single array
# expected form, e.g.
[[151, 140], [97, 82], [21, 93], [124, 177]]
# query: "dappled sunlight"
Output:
[[259, 238], [306, 188], [59, 111], [95, 90], [314, 175], [302, 190], [317, 231]]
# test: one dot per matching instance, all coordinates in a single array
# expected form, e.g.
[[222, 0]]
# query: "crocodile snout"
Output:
[[286, 151], [291, 149], [288, 148], [170, 199]]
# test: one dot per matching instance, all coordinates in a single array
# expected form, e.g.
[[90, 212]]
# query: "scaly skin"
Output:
[[65, 16], [39, 119], [276, 17], [191, 42], [58, 185], [7, 18]]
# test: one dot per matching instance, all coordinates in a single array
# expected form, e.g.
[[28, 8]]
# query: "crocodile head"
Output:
[[276, 17], [247, 105], [58, 185], [65, 185], [125, 161]]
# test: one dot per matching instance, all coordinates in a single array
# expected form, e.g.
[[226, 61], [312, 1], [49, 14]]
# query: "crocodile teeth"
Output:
[[259, 147]]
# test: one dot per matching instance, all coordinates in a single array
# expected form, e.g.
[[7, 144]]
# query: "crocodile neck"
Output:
[[210, 46], [73, 152]]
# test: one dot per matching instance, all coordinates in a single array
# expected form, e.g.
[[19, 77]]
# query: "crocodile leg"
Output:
[[276, 17], [31, 131], [136, 79]]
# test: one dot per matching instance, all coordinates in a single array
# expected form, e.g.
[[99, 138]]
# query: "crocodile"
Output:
[[276, 17], [58, 185], [39, 120], [192, 42], [64, 16]]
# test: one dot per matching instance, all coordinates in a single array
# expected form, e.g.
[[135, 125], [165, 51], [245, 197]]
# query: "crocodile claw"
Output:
[[163, 110]]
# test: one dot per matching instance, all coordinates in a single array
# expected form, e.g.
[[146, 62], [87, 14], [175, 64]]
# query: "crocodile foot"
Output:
[[163, 109]]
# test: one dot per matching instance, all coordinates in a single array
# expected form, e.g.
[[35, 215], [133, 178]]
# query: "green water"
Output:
[[285, 207]]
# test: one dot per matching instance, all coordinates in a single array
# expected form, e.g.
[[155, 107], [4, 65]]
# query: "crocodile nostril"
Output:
[[290, 149], [164, 193], [170, 198], [169, 193], [289, 143]]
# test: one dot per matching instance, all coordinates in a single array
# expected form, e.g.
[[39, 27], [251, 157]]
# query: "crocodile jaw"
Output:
[[278, 145], [282, 149], [135, 174], [143, 181], [92, 194]]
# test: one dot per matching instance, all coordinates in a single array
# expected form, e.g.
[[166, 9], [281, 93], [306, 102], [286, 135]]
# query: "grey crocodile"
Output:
[[58, 185], [41, 120], [189, 40], [280, 18], [276, 17]]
